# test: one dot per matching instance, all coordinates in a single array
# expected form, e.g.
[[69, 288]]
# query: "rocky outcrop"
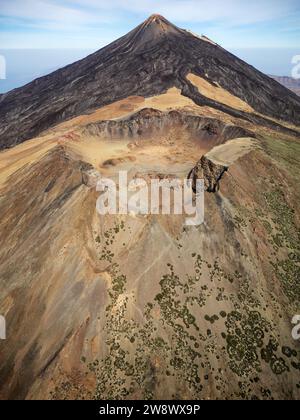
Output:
[[210, 172], [90, 176]]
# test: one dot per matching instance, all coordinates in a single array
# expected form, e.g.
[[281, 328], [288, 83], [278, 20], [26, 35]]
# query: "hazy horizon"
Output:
[[25, 65]]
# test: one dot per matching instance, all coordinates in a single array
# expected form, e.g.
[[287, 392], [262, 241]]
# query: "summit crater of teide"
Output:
[[143, 306]]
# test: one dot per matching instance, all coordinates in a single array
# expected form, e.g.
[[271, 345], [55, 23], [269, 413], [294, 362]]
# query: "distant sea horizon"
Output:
[[25, 65]]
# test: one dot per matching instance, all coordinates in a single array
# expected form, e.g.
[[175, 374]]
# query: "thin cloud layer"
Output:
[[42, 21], [232, 12]]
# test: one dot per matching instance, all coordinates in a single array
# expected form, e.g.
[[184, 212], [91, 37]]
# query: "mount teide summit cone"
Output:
[[147, 61], [153, 30]]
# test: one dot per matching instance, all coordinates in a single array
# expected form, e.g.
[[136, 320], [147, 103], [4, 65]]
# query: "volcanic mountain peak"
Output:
[[152, 58], [155, 17], [158, 20], [157, 25]]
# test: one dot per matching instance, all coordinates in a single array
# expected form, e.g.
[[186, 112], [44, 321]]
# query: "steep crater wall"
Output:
[[150, 123]]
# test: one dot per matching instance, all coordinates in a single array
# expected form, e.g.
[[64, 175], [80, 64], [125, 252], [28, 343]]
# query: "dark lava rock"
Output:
[[210, 172]]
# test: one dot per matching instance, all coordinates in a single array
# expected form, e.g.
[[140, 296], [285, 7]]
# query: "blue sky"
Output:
[[91, 24]]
